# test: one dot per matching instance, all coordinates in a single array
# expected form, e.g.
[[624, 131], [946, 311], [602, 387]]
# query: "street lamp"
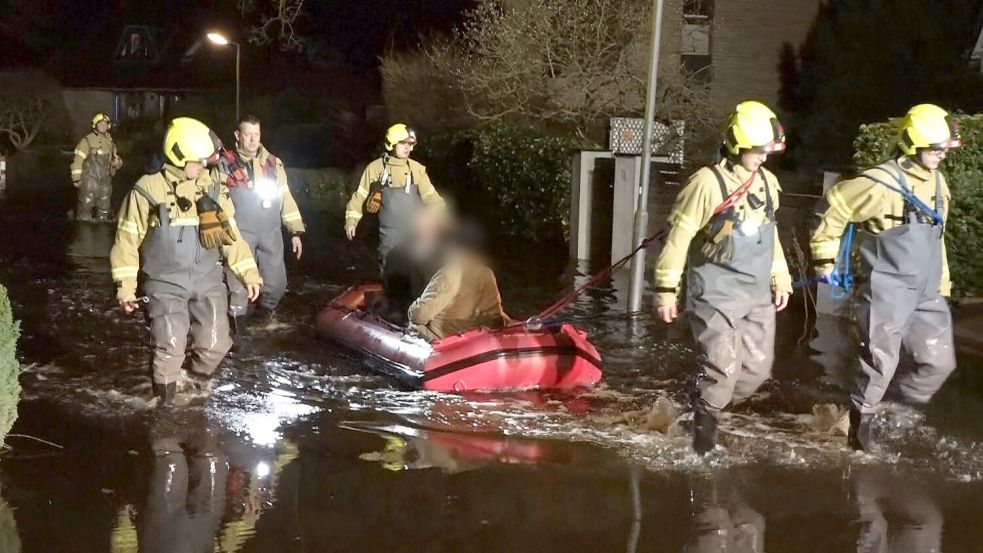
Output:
[[219, 39]]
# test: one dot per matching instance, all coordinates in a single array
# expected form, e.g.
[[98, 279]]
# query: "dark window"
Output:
[[698, 9]]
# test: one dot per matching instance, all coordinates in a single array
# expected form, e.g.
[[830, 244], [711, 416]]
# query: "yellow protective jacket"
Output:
[[462, 295], [289, 212], [135, 219], [692, 212], [875, 208], [93, 142], [398, 169]]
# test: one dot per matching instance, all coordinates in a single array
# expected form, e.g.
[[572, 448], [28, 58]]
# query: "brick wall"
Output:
[[746, 45]]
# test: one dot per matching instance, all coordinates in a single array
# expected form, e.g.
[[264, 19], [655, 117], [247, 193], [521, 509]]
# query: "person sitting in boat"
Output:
[[463, 293], [411, 265]]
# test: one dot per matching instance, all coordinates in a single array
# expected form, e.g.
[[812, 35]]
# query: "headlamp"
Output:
[[267, 189], [749, 227]]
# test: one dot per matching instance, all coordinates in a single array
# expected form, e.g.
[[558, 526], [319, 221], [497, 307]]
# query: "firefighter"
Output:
[[737, 275], [96, 162], [175, 228], [257, 184], [394, 186], [900, 207]]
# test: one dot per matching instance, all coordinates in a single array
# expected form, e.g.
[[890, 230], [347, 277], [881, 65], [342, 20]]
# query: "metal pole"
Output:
[[237, 82], [641, 214]]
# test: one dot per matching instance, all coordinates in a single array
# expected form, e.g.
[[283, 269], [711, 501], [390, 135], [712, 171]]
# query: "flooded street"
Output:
[[302, 448]]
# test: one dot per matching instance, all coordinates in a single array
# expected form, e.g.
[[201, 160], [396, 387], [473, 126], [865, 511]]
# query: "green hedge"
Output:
[[517, 179], [963, 169], [9, 367]]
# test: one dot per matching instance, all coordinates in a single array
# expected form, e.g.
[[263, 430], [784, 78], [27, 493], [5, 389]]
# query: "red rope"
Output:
[[734, 196], [569, 298]]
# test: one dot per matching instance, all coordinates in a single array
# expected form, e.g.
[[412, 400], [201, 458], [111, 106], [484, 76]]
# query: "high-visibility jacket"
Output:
[[692, 212], [875, 208], [398, 173], [93, 143], [264, 169], [137, 217]]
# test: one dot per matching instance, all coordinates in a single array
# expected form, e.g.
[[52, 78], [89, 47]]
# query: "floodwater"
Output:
[[302, 449]]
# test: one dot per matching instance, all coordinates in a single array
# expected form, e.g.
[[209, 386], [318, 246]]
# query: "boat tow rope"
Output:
[[591, 282]]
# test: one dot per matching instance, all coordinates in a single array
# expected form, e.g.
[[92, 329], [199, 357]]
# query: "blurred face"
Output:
[[248, 136], [931, 158], [403, 149], [193, 169], [102, 127], [753, 159], [426, 227]]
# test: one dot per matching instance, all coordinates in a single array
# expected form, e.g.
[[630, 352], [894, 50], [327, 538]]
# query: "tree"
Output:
[[31, 105], [277, 24], [21, 122], [867, 60], [560, 64]]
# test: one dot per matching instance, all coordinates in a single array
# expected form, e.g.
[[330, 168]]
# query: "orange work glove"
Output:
[[374, 201], [214, 227]]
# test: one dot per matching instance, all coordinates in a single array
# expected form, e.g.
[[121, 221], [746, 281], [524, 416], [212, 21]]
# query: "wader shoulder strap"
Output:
[[906, 193], [269, 168], [939, 204], [146, 194], [769, 205], [720, 181]]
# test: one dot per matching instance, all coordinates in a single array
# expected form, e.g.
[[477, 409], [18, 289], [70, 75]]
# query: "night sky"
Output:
[[75, 40]]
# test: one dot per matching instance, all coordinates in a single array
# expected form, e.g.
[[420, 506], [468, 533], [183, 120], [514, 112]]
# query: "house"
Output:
[[735, 46], [147, 76]]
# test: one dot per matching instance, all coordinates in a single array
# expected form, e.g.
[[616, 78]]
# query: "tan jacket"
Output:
[[692, 212], [876, 208], [398, 169], [94, 143], [462, 295], [289, 212], [135, 220]]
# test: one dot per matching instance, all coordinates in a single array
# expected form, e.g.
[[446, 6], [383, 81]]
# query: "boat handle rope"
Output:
[[537, 320]]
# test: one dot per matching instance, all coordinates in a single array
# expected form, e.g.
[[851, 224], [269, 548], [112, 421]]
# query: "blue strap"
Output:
[[908, 195], [841, 279]]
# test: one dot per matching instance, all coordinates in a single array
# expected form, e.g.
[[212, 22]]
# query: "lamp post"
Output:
[[218, 38], [642, 214]]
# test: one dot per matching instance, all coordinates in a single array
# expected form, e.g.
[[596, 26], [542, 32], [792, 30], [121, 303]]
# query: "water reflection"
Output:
[[206, 489], [723, 522], [895, 517], [9, 538], [91, 240], [186, 496]]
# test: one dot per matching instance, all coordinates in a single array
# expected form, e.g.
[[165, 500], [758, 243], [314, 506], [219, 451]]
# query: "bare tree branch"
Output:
[[22, 121], [562, 63], [277, 23]]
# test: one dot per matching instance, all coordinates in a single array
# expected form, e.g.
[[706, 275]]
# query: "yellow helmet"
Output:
[[188, 140], [399, 133], [99, 118], [754, 125], [928, 126]]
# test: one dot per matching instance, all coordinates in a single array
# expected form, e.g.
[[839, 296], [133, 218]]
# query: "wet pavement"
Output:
[[302, 449]]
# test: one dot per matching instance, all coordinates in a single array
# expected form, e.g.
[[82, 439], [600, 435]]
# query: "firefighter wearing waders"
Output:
[[175, 228], [394, 186], [737, 275], [900, 207], [257, 184], [96, 161]]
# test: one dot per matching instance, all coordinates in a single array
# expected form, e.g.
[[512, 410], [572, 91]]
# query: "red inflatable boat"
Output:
[[551, 357]]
